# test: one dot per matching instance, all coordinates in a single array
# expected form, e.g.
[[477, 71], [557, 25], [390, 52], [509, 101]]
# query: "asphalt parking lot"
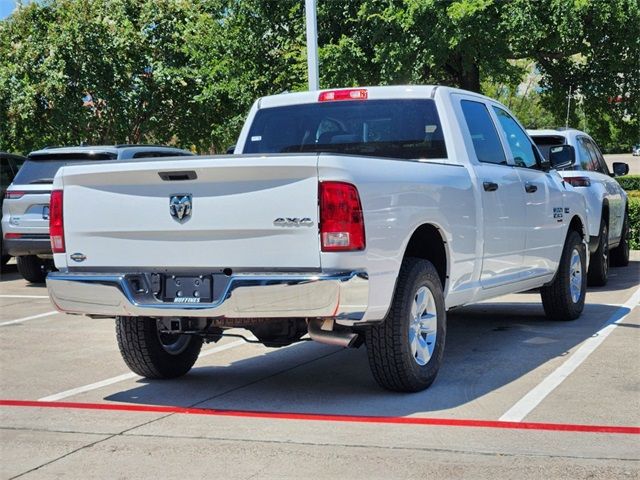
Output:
[[518, 397]]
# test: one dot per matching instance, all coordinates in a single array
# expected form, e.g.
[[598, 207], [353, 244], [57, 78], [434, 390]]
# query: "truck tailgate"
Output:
[[119, 214]]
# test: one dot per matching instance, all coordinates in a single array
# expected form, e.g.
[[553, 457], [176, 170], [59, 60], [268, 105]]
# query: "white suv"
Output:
[[608, 214], [25, 210]]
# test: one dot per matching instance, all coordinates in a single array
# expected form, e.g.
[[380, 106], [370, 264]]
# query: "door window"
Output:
[[524, 152], [599, 162], [588, 157], [486, 142]]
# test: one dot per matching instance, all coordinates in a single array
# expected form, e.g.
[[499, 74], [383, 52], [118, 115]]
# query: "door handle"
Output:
[[530, 187], [490, 186]]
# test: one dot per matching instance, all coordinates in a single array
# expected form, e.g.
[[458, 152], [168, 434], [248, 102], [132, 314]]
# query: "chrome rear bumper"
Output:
[[341, 295]]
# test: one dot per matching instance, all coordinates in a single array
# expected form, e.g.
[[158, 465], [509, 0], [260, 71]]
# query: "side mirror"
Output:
[[620, 169], [561, 156], [231, 149]]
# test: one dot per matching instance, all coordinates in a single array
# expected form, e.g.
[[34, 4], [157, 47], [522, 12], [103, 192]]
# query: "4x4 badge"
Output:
[[180, 206]]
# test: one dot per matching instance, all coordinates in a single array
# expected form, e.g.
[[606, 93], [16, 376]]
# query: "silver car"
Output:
[[25, 211], [608, 214]]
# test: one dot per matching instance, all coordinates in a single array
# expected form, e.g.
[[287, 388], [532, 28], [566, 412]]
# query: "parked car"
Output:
[[25, 211], [9, 164], [635, 150], [606, 200], [356, 216]]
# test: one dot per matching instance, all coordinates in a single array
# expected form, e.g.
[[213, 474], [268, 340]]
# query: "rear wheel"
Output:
[[32, 268], [620, 254], [599, 264], [405, 351], [564, 298], [152, 354]]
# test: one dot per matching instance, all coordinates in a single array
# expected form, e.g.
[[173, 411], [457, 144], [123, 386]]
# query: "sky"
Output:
[[6, 7]]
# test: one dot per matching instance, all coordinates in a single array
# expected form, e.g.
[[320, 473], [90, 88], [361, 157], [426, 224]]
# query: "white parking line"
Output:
[[535, 396], [24, 296], [127, 376], [32, 317]]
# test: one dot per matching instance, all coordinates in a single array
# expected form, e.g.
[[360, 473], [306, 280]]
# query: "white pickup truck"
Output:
[[354, 216]]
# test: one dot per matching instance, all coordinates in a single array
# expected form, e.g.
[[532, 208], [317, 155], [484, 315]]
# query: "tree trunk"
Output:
[[469, 77]]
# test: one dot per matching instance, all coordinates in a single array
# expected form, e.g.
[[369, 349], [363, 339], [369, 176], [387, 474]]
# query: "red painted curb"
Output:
[[446, 422]]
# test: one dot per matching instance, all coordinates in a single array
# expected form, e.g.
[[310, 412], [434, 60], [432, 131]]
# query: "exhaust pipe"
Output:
[[322, 331]]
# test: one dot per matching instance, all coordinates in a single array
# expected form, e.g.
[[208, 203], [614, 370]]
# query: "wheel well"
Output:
[[605, 212], [427, 243], [577, 226]]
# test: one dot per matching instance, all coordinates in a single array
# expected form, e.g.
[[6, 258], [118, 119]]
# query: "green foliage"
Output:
[[126, 58], [629, 182], [634, 220], [186, 72]]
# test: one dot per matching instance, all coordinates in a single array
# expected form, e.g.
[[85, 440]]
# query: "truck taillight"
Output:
[[578, 181], [56, 222], [341, 219], [346, 94]]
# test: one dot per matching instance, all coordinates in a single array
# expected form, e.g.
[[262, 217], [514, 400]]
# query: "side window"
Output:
[[599, 162], [524, 154], [486, 142], [588, 158]]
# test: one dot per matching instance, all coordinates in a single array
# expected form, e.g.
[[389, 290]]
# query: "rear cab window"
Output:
[[42, 168], [404, 129]]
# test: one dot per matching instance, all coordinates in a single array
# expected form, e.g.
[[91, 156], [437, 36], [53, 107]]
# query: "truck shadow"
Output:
[[489, 345]]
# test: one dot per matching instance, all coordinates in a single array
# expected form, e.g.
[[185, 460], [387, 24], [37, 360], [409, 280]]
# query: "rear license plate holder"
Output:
[[188, 289]]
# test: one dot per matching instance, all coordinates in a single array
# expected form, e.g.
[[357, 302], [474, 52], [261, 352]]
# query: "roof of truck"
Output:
[[372, 93]]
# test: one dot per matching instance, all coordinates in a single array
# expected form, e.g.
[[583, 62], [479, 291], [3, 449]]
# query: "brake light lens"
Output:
[[56, 222], [341, 219], [13, 194], [11, 236], [578, 181], [346, 94]]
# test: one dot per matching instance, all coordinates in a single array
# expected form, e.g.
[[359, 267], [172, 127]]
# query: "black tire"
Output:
[[4, 260], [620, 254], [32, 268], [389, 349], [144, 353], [557, 300], [599, 261]]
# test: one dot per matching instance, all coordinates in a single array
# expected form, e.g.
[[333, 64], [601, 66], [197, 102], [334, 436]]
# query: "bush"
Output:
[[634, 219], [629, 182]]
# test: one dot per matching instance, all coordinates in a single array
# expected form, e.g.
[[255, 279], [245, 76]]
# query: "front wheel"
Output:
[[152, 354], [564, 298], [405, 350]]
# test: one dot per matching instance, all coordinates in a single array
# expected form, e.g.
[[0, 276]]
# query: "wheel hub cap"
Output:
[[423, 328], [575, 276]]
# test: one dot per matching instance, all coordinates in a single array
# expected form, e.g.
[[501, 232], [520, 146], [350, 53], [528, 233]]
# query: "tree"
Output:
[[100, 72], [186, 72], [592, 46]]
